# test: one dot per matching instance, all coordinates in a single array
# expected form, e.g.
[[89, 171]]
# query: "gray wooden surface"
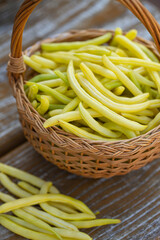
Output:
[[133, 198]]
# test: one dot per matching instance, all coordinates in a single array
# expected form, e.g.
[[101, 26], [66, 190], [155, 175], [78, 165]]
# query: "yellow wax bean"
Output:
[[45, 63], [122, 77], [37, 199], [59, 96], [148, 52], [61, 68], [43, 77], [27, 187], [118, 107], [93, 103], [61, 76], [94, 223], [93, 124], [81, 133], [148, 113], [34, 103], [24, 232], [67, 117], [118, 31], [37, 67], [99, 86], [24, 176], [140, 119], [119, 90], [62, 58], [132, 34], [58, 213], [37, 213], [133, 61], [53, 83], [33, 90], [44, 105], [55, 112], [136, 50], [94, 49], [50, 98], [101, 70], [89, 57], [70, 93], [153, 123], [61, 89], [121, 52], [113, 84], [155, 103], [50, 47], [87, 129], [72, 105], [113, 126], [134, 79], [64, 207], [141, 79]]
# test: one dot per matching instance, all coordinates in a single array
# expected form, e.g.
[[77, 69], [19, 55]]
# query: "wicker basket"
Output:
[[80, 156]]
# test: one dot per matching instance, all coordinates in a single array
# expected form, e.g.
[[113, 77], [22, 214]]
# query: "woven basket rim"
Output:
[[95, 143]]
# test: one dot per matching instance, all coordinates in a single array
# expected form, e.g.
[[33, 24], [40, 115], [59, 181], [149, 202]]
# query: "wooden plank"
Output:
[[133, 198]]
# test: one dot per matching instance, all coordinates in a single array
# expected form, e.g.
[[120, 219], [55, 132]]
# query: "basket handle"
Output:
[[16, 65]]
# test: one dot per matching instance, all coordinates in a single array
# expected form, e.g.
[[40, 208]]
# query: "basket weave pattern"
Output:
[[84, 157]]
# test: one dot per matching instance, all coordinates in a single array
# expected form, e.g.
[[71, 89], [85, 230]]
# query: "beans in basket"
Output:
[[101, 89]]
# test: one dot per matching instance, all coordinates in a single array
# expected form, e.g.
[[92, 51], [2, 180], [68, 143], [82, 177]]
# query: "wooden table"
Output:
[[133, 198]]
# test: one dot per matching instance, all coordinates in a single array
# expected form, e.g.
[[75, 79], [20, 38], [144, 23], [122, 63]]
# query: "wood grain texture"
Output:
[[133, 198]]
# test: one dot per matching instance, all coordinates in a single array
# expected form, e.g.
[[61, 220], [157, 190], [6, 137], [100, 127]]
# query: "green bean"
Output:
[[117, 107], [148, 52], [37, 67], [55, 112], [122, 77], [43, 77], [45, 63], [68, 117], [93, 103], [62, 58], [95, 223], [72, 105], [75, 45], [152, 124], [61, 76], [70, 93], [24, 176], [33, 90], [136, 76], [34, 104], [58, 213], [38, 213], [140, 119], [113, 126], [24, 232], [27, 187], [93, 124], [52, 83], [59, 96], [113, 84], [97, 84], [56, 106], [119, 90], [101, 70], [132, 34], [44, 105], [81, 133]]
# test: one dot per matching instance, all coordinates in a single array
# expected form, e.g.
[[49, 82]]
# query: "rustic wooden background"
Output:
[[134, 198]]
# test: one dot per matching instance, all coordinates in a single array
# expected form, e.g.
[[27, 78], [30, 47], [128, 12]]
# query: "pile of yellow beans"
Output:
[[57, 216], [106, 88]]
